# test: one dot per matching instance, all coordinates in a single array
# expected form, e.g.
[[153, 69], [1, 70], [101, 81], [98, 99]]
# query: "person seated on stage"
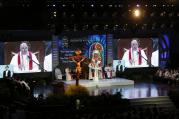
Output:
[[108, 69], [135, 56], [7, 73], [48, 63], [24, 60]]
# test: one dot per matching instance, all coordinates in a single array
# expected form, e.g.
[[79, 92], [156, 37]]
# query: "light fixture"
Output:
[[136, 13]]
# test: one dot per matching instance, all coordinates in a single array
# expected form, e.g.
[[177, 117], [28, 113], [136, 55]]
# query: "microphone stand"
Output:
[[37, 64], [150, 64]]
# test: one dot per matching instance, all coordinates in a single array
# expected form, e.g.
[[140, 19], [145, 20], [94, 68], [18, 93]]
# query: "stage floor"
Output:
[[138, 90], [103, 82]]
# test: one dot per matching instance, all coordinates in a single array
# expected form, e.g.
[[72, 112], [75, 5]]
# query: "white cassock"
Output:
[[68, 74], [24, 62], [155, 58], [135, 59], [108, 71], [48, 62], [96, 68]]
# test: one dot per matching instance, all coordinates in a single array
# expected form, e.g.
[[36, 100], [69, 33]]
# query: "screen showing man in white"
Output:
[[135, 56], [24, 61]]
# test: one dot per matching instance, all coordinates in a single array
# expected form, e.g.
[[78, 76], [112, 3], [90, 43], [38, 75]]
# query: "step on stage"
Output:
[[103, 82]]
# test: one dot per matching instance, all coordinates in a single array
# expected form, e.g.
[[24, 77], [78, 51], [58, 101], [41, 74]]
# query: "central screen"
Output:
[[136, 52]]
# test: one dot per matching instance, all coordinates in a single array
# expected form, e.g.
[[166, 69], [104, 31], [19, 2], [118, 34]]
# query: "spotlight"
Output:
[[137, 5], [137, 13], [54, 13]]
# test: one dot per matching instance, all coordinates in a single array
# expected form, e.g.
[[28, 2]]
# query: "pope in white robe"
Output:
[[135, 56], [24, 61]]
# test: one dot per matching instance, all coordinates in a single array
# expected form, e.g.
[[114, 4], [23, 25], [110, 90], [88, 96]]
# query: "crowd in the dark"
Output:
[[170, 76], [20, 104]]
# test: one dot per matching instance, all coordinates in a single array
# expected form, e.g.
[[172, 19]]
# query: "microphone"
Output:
[[138, 53], [29, 57]]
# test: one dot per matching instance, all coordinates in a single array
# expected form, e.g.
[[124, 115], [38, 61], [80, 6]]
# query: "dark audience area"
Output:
[[18, 102]]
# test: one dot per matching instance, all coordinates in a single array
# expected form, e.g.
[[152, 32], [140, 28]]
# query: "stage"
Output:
[[103, 82]]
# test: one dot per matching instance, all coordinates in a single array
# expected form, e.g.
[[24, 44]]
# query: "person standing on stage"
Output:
[[108, 69], [135, 56], [24, 60], [7, 73]]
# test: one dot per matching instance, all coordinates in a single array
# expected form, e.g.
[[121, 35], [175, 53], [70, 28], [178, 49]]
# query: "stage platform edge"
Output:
[[102, 82]]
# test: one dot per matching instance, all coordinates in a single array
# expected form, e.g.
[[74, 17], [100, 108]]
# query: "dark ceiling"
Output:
[[88, 14]]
